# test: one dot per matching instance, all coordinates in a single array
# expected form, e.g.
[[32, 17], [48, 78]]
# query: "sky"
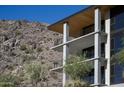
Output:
[[42, 13]]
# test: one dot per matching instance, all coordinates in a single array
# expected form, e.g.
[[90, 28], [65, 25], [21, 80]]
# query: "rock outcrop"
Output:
[[23, 42]]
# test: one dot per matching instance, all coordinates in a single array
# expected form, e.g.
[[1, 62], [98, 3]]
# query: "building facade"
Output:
[[97, 32]]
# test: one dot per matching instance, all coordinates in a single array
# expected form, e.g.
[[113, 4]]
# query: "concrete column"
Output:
[[107, 49], [97, 44], [65, 48]]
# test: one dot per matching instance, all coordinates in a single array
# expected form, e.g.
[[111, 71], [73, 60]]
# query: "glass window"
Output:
[[112, 20], [117, 22], [90, 77], [112, 74], [112, 52], [89, 52], [112, 23], [112, 43]]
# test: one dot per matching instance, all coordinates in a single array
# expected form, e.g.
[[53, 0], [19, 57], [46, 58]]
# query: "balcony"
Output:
[[77, 44]]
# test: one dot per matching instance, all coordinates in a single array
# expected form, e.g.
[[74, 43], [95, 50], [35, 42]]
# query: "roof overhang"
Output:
[[79, 20]]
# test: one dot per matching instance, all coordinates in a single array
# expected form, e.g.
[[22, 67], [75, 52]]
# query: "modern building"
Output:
[[97, 31]]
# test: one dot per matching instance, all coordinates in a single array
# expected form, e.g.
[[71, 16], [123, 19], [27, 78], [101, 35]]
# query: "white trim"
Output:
[[87, 60], [97, 47], [108, 48], [65, 49], [81, 37]]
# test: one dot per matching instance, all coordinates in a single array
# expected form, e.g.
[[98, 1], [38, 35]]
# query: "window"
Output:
[[112, 46], [112, 20], [113, 23], [90, 76], [112, 52], [112, 43], [112, 74], [122, 40], [89, 52]]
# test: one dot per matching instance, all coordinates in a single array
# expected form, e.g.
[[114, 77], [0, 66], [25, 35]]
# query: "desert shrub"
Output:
[[6, 84], [23, 47], [35, 72], [8, 80], [77, 69], [76, 83]]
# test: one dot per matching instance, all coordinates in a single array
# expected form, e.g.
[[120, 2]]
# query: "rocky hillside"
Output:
[[25, 55]]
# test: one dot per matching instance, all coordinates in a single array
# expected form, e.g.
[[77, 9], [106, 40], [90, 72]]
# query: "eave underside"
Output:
[[79, 20]]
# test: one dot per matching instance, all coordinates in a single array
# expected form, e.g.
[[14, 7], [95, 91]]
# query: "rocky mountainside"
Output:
[[25, 45]]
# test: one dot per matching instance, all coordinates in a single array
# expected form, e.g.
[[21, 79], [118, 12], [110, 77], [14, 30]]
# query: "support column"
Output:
[[65, 48], [107, 49], [97, 48]]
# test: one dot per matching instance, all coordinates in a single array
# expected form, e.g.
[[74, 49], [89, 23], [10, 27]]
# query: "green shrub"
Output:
[[6, 84], [35, 72], [76, 83], [77, 69], [8, 80]]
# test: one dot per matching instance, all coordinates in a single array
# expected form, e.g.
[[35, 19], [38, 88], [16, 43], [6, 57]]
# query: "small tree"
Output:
[[77, 69]]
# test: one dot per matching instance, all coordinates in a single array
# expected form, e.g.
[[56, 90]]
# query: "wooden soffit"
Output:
[[79, 20]]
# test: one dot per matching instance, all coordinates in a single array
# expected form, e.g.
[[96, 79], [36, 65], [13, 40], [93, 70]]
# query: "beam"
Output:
[[107, 49], [76, 39], [87, 60], [65, 48], [97, 48]]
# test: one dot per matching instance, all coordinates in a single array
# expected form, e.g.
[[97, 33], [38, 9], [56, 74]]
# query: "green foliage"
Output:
[[8, 80], [77, 69], [6, 84], [35, 72], [77, 83]]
